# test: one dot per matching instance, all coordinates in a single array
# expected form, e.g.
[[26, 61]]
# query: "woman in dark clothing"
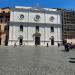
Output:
[[66, 47]]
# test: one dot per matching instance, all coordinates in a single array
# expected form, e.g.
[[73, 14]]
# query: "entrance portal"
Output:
[[52, 41], [37, 40]]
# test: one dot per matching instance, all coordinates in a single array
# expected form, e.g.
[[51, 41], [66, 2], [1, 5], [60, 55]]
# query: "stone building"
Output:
[[35, 26], [4, 19]]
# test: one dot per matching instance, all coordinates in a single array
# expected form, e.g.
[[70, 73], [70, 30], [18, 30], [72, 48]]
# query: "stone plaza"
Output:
[[36, 61]]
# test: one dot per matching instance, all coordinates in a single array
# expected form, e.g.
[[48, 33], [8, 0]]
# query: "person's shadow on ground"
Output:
[[72, 60], [64, 51]]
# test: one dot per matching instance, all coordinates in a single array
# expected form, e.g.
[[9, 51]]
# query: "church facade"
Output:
[[35, 26]]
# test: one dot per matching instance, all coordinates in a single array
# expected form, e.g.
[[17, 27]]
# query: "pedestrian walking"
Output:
[[66, 47], [15, 45], [47, 45], [58, 45], [71, 45]]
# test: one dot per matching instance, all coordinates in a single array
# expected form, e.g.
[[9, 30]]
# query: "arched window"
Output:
[[37, 28], [21, 27]]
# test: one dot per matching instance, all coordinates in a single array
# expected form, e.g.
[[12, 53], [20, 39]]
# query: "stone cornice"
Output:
[[33, 24], [35, 10]]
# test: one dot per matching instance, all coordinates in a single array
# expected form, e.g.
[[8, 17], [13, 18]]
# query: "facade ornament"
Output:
[[37, 18], [21, 17], [51, 18]]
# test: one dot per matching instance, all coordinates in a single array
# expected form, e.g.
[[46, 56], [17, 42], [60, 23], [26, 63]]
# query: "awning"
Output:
[[37, 34]]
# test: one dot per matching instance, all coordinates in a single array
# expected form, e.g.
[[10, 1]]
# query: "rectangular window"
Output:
[[6, 28], [37, 28], [5, 20], [52, 29], [1, 20], [21, 27]]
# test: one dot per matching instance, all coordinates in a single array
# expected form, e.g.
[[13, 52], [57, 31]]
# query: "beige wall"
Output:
[[3, 36], [6, 10], [71, 40]]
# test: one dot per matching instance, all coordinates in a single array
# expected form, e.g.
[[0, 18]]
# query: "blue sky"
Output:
[[69, 4]]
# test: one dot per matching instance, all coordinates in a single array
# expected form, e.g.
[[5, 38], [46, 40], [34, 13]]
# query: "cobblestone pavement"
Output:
[[36, 61]]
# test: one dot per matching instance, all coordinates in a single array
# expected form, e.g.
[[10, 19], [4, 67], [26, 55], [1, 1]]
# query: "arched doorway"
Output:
[[20, 40], [37, 38]]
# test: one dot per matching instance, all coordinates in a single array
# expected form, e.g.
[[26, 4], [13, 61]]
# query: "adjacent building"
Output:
[[35, 26], [4, 25], [69, 25]]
